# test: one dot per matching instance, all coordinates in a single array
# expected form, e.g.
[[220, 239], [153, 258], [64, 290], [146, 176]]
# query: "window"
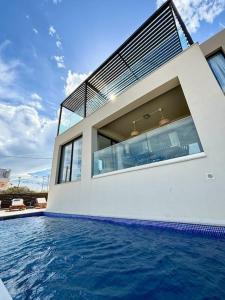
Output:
[[104, 141], [70, 161], [217, 64], [176, 139]]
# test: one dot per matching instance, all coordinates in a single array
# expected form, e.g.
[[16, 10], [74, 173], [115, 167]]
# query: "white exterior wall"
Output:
[[172, 191]]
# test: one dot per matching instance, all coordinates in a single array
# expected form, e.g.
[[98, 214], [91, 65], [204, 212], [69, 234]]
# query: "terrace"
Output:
[[161, 129], [158, 40]]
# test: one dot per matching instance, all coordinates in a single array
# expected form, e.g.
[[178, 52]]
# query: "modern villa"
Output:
[[143, 137]]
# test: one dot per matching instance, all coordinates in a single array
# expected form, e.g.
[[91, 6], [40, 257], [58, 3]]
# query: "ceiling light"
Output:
[[163, 120], [146, 116], [134, 131]]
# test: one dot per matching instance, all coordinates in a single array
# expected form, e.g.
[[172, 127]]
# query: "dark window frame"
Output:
[[71, 160], [112, 141], [216, 52]]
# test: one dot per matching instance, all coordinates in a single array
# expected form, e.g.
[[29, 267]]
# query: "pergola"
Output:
[[161, 37]]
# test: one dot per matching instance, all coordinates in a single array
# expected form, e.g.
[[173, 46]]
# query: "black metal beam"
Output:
[[60, 114], [85, 100], [96, 90], [183, 26], [128, 67], [173, 14]]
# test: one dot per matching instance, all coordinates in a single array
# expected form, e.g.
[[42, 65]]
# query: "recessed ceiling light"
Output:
[[146, 116]]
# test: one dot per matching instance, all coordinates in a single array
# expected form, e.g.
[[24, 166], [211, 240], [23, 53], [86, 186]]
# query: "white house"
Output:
[[143, 137]]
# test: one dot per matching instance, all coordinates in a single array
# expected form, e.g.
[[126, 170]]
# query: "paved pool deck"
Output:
[[30, 212]]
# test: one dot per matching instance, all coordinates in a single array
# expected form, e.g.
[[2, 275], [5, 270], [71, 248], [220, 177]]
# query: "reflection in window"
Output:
[[217, 64], [76, 162], [70, 161], [177, 139], [104, 141]]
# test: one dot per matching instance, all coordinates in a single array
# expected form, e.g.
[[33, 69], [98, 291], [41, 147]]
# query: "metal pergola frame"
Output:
[[155, 42]]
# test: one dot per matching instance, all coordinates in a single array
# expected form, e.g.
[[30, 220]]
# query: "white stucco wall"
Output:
[[178, 191]]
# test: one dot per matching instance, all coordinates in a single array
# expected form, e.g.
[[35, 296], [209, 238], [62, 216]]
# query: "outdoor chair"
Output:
[[41, 203], [17, 203]]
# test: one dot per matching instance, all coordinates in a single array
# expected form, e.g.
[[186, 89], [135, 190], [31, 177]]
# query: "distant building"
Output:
[[4, 179]]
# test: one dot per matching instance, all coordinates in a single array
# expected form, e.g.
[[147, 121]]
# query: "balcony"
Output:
[[174, 140], [162, 36]]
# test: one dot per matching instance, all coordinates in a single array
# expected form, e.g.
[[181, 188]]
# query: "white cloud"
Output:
[[73, 80], [59, 61], [4, 44], [9, 87], [9, 78], [222, 25], [195, 11], [9, 75], [35, 30], [51, 31], [59, 44], [35, 101], [8, 71], [35, 96], [27, 17], [36, 105], [25, 132]]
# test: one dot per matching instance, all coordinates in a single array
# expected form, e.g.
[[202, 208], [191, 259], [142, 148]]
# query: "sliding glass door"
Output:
[[70, 161]]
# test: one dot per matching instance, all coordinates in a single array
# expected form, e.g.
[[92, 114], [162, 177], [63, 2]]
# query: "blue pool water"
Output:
[[55, 258]]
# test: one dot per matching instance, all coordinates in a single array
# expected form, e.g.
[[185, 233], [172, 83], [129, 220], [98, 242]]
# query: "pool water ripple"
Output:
[[51, 258]]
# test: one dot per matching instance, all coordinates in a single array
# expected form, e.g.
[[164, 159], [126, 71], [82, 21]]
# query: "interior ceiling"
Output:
[[174, 106]]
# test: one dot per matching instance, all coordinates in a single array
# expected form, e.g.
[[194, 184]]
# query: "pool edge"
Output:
[[4, 293], [22, 215], [203, 229]]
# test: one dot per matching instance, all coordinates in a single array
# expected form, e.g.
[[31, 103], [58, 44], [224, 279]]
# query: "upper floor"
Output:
[[150, 120], [158, 40]]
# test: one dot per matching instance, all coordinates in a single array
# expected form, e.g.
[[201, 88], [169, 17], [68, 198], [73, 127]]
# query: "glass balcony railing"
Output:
[[158, 40], [176, 139], [68, 119]]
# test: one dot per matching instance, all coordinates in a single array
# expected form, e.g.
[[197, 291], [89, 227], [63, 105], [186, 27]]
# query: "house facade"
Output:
[[143, 137]]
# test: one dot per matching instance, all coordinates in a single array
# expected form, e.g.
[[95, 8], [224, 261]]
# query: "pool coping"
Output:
[[4, 293], [21, 215]]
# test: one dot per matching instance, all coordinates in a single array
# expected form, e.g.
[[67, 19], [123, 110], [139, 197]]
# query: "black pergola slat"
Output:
[[154, 43]]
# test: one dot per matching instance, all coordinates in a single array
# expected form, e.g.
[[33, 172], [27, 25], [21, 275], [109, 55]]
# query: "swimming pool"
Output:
[[57, 258]]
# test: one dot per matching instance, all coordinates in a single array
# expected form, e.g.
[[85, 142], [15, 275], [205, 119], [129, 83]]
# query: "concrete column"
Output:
[[89, 145]]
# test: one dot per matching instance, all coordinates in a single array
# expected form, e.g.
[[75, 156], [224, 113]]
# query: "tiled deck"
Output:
[[5, 214]]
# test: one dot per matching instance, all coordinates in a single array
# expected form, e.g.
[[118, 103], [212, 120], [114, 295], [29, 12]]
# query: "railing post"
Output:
[[60, 114], [85, 100]]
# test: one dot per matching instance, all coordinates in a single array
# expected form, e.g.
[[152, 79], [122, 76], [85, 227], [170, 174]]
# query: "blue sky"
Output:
[[48, 46]]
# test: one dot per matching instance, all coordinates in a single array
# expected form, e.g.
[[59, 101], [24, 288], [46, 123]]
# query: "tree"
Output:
[[17, 190]]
